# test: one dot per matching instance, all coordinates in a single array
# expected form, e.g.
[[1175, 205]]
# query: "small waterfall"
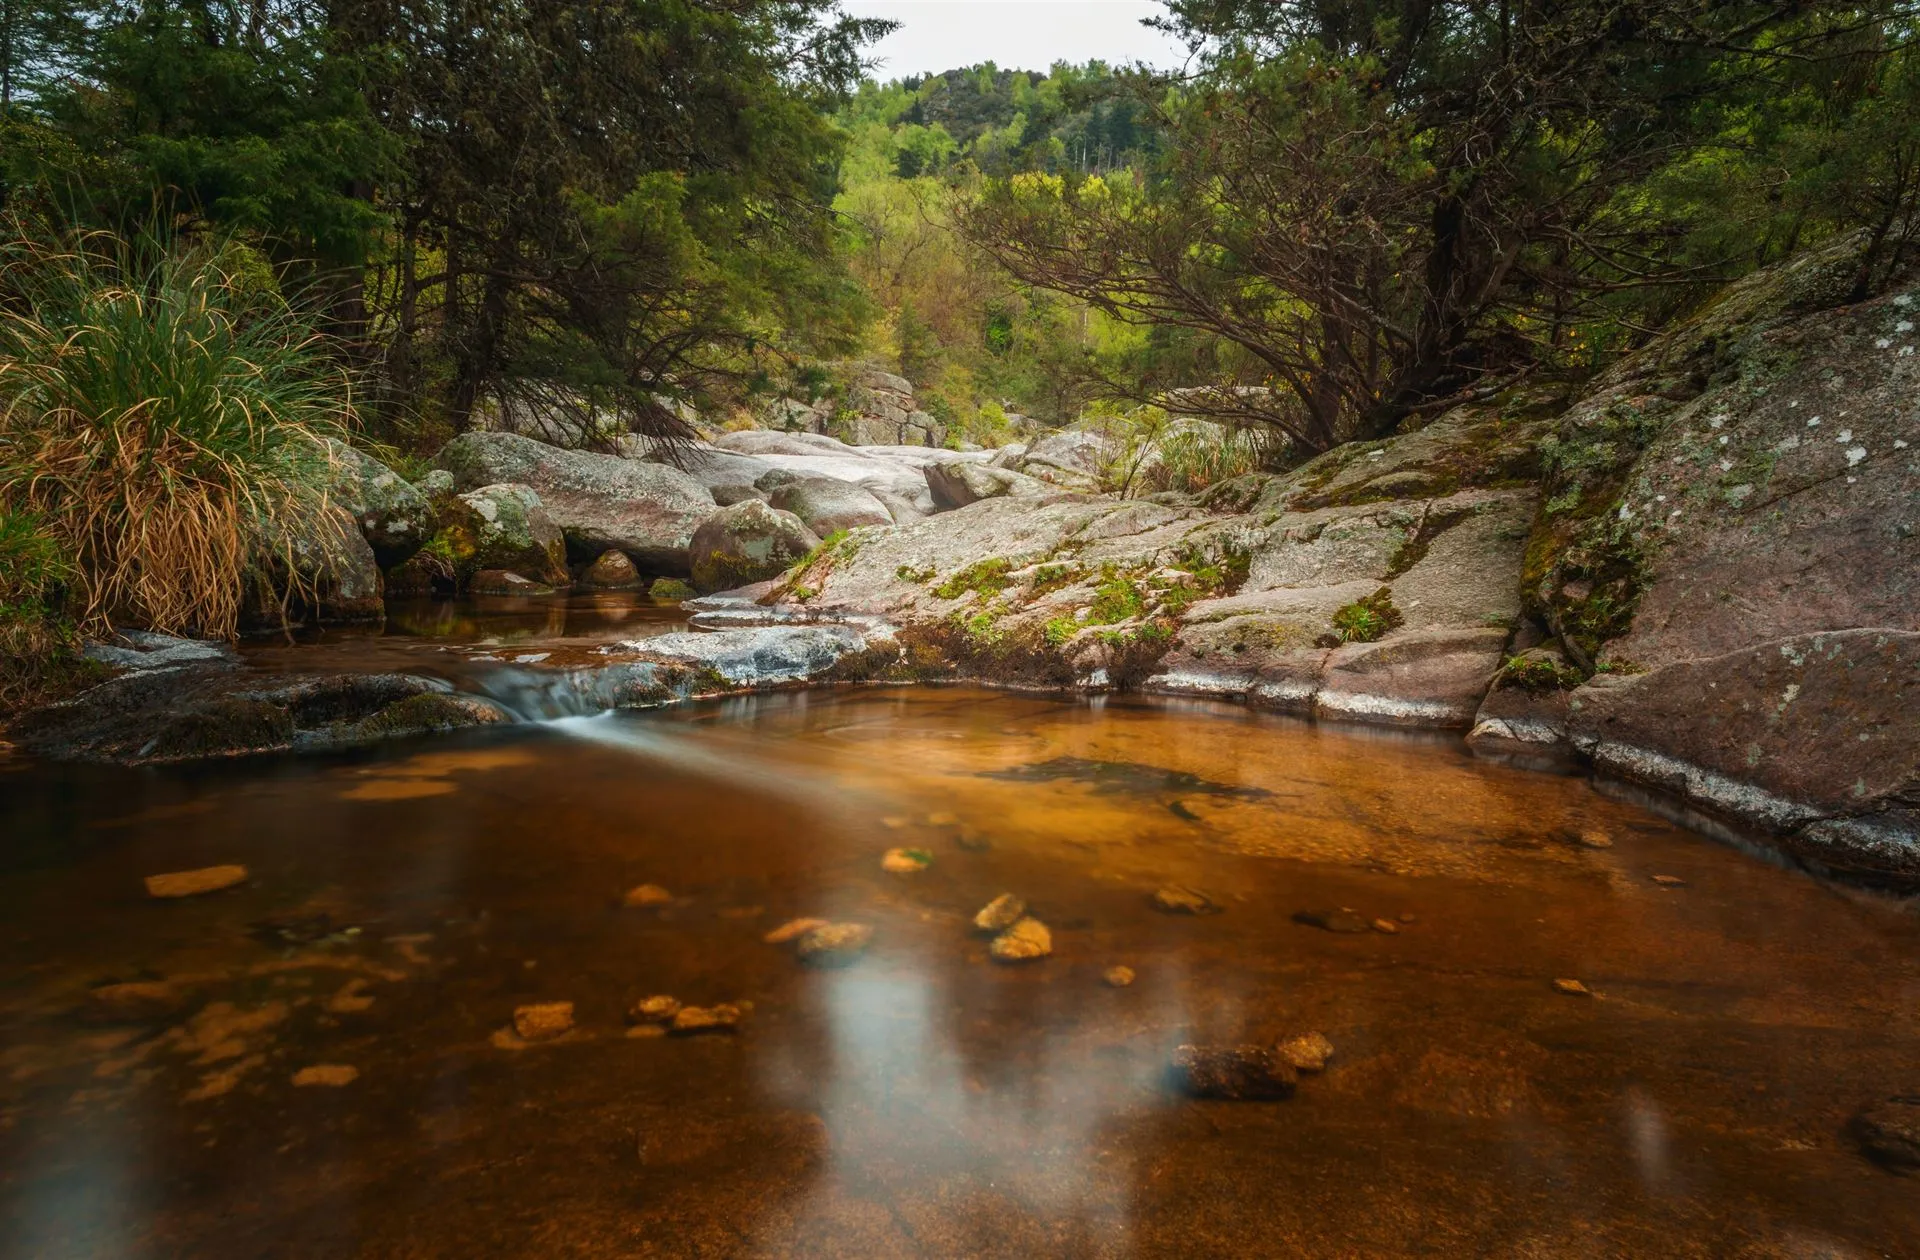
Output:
[[540, 695]]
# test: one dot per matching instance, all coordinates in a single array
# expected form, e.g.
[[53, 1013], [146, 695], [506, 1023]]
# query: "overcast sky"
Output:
[[1015, 34]]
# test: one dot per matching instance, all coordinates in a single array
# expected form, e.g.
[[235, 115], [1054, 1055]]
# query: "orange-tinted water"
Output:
[[926, 1100]]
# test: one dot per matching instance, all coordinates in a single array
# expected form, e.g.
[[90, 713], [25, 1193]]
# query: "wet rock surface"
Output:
[[1233, 1073], [1889, 1132]]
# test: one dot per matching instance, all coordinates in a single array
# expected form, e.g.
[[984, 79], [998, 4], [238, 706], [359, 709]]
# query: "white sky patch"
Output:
[[940, 35]]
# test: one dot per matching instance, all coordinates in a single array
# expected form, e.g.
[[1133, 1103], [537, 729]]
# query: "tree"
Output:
[[604, 201], [1371, 206]]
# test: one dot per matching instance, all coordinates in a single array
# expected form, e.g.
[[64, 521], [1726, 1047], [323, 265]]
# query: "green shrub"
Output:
[[161, 419]]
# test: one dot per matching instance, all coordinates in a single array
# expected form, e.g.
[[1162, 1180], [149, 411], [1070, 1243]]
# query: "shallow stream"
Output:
[[926, 1100]]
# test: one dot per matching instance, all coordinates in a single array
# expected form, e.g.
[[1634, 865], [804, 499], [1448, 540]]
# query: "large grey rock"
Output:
[[319, 568], [827, 505], [747, 542], [512, 530], [647, 510], [727, 475], [1072, 458], [392, 515], [955, 484]]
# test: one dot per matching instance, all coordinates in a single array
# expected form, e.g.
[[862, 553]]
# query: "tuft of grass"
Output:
[[164, 419], [1366, 620]]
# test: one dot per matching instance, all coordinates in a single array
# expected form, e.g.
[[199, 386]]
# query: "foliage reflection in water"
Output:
[[926, 1100]]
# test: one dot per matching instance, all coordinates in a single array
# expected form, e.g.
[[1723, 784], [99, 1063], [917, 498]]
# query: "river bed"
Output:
[[925, 1100]]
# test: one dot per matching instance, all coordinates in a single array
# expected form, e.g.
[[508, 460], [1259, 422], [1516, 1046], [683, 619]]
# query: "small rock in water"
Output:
[[1671, 881], [1000, 914], [1023, 942], [1889, 1132], [724, 1017], [646, 897], [543, 1021], [971, 843], [612, 571], [792, 928], [1117, 977], [334, 1074], [1572, 988], [1594, 838], [1387, 926], [193, 883], [834, 944], [906, 861], [1331, 920], [1179, 899], [659, 1009], [943, 820], [1406, 916], [1233, 1072], [1308, 1052], [895, 821]]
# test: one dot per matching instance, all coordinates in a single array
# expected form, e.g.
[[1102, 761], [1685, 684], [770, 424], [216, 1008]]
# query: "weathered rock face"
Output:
[[887, 472], [647, 510], [823, 504], [511, 530], [877, 409], [747, 542], [1745, 557], [956, 484], [1187, 598], [1071, 458], [391, 513]]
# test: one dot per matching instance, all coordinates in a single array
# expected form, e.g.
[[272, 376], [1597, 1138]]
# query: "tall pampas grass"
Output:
[[163, 416]]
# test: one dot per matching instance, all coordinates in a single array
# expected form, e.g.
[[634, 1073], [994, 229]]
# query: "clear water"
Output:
[[926, 1100]]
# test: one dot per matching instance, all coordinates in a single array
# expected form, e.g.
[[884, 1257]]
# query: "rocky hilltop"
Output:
[[1698, 574]]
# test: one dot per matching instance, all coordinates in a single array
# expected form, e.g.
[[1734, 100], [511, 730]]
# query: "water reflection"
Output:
[[927, 1100]]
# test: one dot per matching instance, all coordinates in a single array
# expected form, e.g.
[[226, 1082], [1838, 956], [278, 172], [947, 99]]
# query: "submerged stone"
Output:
[[659, 1009], [1572, 988], [792, 929], [1179, 899], [834, 944], [691, 1020], [543, 1021], [1023, 942], [1000, 914], [1308, 1052], [207, 879], [1888, 1132], [646, 897], [1117, 977], [1345, 921], [1252, 1073], [327, 1074], [906, 861]]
